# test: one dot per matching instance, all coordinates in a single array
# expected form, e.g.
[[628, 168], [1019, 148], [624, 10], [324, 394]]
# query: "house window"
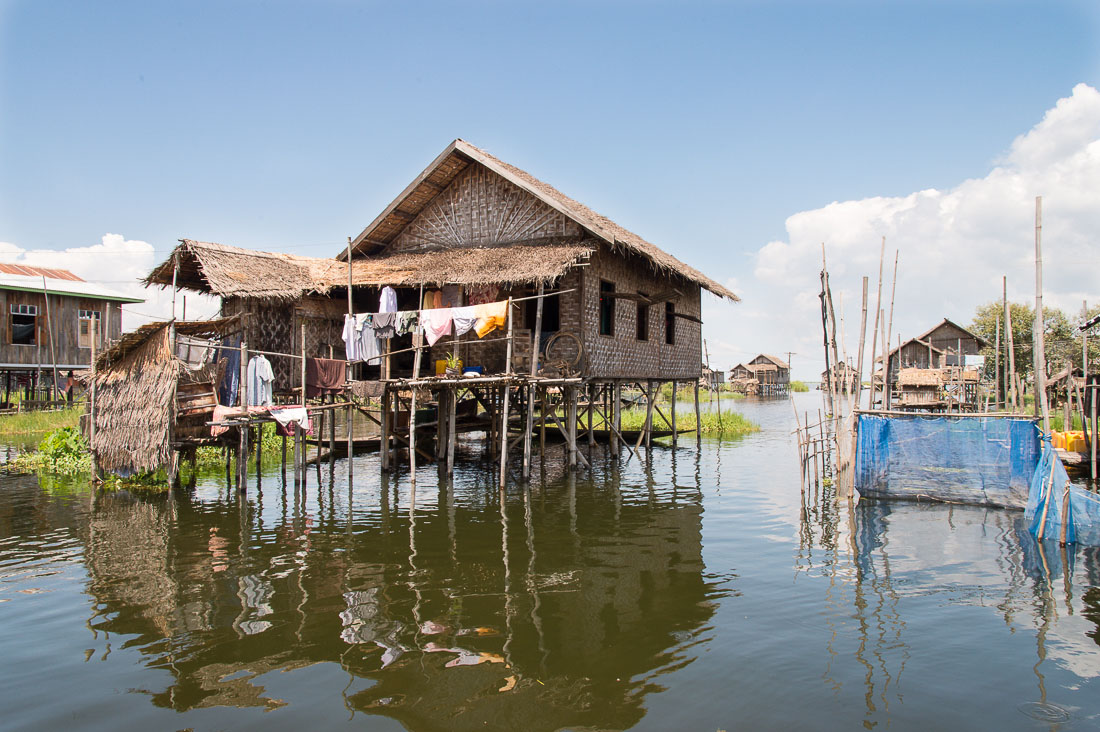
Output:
[[607, 308], [670, 323], [643, 317], [24, 325], [551, 314], [89, 321]]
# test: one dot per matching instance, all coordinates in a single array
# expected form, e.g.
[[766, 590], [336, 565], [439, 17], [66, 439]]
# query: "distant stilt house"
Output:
[[773, 374], [914, 354], [844, 375], [53, 323], [712, 378], [574, 308]]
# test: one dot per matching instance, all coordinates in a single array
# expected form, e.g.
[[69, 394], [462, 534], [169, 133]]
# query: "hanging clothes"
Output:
[[287, 417], [452, 296], [481, 294], [383, 324], [406, 321], [490, 316], [220, 415], [463, 319], [435, 323], [370, 348], [229, 368], [387, 301], [351, 337], [260, 381], [428, 301], [324, 376]]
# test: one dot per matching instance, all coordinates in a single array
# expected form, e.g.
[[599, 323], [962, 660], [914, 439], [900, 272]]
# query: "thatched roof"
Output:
[[774, 359], [227, 271], [500, 265], [461, 154], [919, 377], [135, 382]]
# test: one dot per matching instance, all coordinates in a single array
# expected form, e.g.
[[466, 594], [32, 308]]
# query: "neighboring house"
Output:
[[770, 370], [712, 378], [741, 372], [952, 339], [36, 335], [845, 375]]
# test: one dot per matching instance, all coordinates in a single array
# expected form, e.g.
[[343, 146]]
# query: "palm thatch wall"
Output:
[[135, 407]]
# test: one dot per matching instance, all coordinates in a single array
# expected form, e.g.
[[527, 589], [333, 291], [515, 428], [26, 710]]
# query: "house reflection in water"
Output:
[[558, 607]]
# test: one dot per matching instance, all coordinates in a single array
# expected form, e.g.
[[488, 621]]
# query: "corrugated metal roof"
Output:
[[47, 272], [61, 286]]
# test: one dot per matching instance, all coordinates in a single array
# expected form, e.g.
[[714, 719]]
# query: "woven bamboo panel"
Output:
[[479, 208]]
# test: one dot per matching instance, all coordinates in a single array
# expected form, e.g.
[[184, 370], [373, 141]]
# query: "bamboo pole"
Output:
[[1091, 390], [591, 389], [507, 397], [536, 339], [1038, 340], [675, 434], [300, 457], [1010, 356], [242, 445], [998, 397], [649, 414], [698, 419], [616, 414], [862, 345], [874, 331], [571, 428]]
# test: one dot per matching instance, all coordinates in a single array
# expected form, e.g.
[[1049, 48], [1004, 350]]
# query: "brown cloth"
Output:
[[324, 376], [367, 389]]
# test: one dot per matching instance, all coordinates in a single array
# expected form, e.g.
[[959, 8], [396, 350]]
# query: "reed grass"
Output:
[[29, 423], [728, 424], [799, 386]]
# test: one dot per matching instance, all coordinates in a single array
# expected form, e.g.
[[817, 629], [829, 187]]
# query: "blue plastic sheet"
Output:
[[987, 461], [1053, 500]]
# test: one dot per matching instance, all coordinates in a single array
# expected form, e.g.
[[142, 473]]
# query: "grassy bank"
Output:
[[799, 386], [29, 423], [728, 424]]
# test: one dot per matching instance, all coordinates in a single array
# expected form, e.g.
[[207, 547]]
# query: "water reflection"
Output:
[[553, 606]]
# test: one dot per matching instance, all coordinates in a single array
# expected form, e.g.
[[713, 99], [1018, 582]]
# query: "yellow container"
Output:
[[1075, 441], [1057, 440], [440, 366]]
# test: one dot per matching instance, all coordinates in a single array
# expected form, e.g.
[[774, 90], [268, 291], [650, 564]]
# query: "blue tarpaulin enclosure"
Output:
[[982, 460], [1054, 501]]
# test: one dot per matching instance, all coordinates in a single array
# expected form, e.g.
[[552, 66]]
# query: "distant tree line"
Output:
[[1062, 340]]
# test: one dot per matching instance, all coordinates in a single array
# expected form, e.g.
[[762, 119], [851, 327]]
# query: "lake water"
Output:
[[695, 591]]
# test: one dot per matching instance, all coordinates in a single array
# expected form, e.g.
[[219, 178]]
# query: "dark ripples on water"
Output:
[[699, 591]]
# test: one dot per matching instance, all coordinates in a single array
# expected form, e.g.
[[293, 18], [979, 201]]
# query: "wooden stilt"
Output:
[[259, 448], [323, 416], [351, 444], [452, 430], [542, 425], [332, 433], [648, 414], [387, 398], [284, 454], [698, 417], [536, 337], [675, 434], [297, 455], [616, 415], [571, 427]]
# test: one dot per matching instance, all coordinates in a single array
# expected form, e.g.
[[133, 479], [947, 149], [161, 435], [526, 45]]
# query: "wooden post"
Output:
[[1092, 394], [616, 415], [91, 398], [242, 446], [452, 406], [1010, 361], [542, 425], [1040, 325], [418, 344], [674, 432], [874, 331], [351, 442], [49, 333], [889, 333], [571, 428], [507, 397], [591, 389], [997, 398], [698, 419], [297, 454], [284, 456], [648, 414], [536, 338], [387, 408], [299, 436], [1085, 342]]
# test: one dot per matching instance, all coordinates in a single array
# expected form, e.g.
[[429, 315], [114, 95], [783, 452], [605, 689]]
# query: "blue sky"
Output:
[[701, 126]]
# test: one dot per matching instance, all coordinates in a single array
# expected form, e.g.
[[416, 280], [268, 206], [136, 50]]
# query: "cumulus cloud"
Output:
[[954, 245], [118, 264]]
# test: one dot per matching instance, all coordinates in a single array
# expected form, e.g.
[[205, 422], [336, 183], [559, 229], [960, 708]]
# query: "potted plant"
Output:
[[454, 364]]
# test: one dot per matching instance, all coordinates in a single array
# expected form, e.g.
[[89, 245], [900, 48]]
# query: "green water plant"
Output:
[[63, 451]]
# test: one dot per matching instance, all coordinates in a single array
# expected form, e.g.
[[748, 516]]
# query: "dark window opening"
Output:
[[23, 330], [607, 308], [643, 318], [670, 323], [551, 314]]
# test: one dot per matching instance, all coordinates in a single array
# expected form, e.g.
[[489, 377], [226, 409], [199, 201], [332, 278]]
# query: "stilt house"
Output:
[[53, 321]]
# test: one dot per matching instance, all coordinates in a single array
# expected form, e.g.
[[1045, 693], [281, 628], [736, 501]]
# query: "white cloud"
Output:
[[117, 263], [954, 245]]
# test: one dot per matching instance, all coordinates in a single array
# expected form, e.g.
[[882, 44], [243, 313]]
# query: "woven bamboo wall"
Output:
[[622, 355], [479, 208]]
